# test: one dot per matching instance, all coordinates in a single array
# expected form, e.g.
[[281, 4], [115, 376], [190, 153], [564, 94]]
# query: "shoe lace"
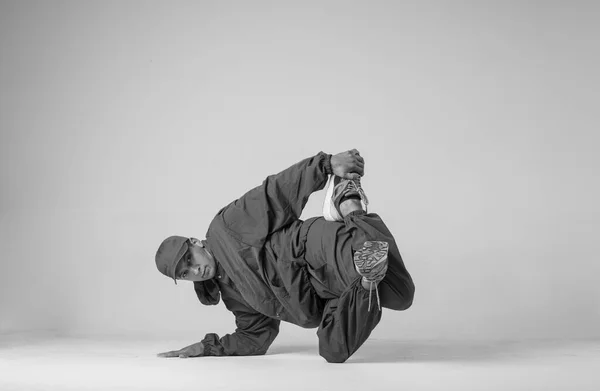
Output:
[[371, 293], [357, 186]]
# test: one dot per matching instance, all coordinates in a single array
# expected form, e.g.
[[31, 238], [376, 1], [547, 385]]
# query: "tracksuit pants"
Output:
[[347, 320]]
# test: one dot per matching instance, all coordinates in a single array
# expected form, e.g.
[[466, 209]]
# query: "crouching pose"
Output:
[[334, 272]]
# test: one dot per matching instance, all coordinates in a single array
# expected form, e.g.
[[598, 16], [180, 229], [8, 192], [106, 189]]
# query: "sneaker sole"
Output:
[[371, 257]]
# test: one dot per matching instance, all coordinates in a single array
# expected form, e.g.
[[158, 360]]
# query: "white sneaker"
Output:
[[330, 212], [336, 189]]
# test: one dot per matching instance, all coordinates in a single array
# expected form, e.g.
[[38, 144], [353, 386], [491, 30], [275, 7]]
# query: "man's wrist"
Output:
[[327, 164]]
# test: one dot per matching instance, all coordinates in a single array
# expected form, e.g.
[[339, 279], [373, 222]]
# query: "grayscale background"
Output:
[[122, 123]]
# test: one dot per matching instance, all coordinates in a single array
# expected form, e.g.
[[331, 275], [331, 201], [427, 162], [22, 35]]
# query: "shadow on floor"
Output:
[[379, 351], [298, 349], [382, 351]]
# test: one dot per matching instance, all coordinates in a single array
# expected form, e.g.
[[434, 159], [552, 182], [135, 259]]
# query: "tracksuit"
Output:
[[273, 267]]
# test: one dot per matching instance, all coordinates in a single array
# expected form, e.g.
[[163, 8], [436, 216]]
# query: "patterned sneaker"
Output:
[[338, 190], [371, 263]]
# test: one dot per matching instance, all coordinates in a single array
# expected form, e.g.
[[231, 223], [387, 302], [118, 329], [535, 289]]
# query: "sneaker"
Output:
[[337, 190], [371, 263]]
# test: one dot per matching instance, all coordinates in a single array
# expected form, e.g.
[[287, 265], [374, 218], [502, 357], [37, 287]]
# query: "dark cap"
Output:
[[168, 255]]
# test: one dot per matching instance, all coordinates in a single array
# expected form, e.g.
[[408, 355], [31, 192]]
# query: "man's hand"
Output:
[[194, 350], [348, 165]]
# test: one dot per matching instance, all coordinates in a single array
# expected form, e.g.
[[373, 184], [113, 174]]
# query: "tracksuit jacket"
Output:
[[258, 243]]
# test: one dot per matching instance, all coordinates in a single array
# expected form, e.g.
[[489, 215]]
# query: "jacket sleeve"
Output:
[[277, 202], [254, 334]]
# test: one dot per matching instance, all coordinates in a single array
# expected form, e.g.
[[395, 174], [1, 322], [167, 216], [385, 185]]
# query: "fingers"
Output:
[[352, 176], [359, 168], [356, 165], [194, 350], [172, 353], [357, 160], [356, 169], [348, 164], [355, 153]]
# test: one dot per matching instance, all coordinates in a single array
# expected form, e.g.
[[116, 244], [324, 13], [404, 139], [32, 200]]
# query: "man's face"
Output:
[[196, 264]]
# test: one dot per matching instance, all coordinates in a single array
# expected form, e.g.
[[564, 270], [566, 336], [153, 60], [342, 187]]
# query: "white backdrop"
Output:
[[123, 123]]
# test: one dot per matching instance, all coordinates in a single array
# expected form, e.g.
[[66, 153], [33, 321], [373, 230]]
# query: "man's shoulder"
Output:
[[218, 223], [219, 233]]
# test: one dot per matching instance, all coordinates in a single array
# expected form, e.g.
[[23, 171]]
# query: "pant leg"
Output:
[[346, 324], [347, 321], [397, 289], [330, 251]]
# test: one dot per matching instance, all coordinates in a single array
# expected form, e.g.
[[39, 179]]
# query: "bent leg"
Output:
[[330, 252], [346, 324], [397, 288]]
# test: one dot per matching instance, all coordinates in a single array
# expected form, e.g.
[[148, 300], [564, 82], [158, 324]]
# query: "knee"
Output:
[[410, 295], [404, 299], [333, 358]]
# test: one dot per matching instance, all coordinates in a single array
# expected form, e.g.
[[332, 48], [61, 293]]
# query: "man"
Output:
[[333, 272]]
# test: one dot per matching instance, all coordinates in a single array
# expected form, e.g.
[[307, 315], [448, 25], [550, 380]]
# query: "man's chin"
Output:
[[209, 276]]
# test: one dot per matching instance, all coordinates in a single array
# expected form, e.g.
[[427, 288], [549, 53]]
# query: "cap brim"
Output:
[[179, 257]]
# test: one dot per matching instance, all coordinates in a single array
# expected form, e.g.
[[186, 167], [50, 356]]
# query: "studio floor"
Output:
[[53, 363]]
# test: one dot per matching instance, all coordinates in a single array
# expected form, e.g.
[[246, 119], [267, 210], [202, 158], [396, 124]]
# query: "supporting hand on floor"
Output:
[[194, 350]]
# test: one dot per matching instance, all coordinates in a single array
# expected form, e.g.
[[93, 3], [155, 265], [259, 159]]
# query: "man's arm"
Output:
[[254, 334], [282, 197]]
